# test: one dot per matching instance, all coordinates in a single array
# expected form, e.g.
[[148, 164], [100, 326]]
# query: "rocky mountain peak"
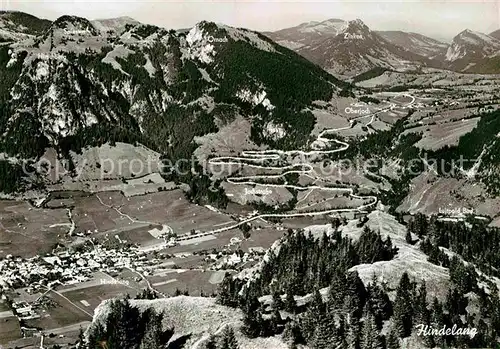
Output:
[[358, 23], [356, 28], [473, 37], [471, 43]]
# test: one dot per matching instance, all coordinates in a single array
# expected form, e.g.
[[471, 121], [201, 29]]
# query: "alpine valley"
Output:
[[322, 186]]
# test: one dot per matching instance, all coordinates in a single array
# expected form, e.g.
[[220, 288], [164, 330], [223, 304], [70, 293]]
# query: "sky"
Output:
[[439, 19]]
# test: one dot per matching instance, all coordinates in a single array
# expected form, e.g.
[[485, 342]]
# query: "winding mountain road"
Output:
[[251, 157]]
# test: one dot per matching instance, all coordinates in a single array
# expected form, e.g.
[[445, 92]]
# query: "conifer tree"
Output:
[[80, 344], [96, 335], [421, 312], [152, 338], [370, 338], [290, 303], [228, 339], [337, 291], [393, 339], [291, 333], [379, 303], [252, 324], [353, 334], [277, 301], [403, 312], [227, 293], [211, 343], [308, 324], [355, 296], [437, 320], [408, 237], [275, 322], [341, 328], [317, 304], [321, 339]]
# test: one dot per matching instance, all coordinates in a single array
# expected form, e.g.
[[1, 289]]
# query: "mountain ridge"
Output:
[[398, 50], [415, 42], [469, 50], [357, 49], [183, 71]]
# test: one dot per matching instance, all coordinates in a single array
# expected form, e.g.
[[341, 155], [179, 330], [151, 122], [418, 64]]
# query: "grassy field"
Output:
[[131, 218], [438, 135], [194, 281], [65, 313], [3, 306], [94, 295], [27, 231], [261, 238], [10, 329]]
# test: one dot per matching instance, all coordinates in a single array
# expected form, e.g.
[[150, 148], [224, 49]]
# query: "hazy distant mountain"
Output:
[[495, 34], [470, 44], [18, 25], [307, 33], [347, 48], [471, 50], [356, 49], [116, 25], [416, 43]]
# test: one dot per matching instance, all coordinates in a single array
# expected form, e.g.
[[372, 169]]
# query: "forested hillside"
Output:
[[71, 85], [353, 314], [480, 147]]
